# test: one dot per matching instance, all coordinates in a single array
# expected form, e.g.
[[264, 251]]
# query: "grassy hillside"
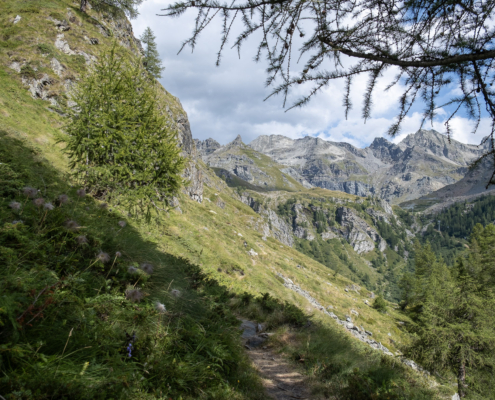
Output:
[[70, 307]]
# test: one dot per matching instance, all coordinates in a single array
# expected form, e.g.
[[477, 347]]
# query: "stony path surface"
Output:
[[280, 379]]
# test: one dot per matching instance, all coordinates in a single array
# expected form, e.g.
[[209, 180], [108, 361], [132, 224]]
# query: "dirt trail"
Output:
[[280, 379]]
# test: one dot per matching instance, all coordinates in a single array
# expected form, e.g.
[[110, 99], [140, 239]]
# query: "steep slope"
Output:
[[470, 187], [421, 163]]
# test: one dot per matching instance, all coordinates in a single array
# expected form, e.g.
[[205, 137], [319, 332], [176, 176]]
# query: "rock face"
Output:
[[420, 164], [206, 147], [277, 227], [357, 232], [468, 188]]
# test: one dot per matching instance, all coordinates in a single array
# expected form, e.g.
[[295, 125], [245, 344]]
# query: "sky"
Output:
[[226, 101]]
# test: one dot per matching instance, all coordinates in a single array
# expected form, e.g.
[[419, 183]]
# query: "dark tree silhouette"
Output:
[[432, 43]]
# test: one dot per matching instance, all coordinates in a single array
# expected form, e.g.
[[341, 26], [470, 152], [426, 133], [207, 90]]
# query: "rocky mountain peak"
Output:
[[237, 141]]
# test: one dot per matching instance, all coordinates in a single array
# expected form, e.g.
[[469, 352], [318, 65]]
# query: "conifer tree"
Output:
[[118, 140], [454, 316], [151, 59]]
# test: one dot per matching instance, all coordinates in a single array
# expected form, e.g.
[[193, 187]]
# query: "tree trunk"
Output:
[[84, 5], [461, 380]]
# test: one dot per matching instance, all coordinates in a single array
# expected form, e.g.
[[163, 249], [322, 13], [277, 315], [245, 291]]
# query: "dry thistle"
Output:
[[103, 206], [148, 268], [132, 270], [72, 225], [160, 307], [63, 199], [122, 224], [15, 205], [30, 192], [48, 206], [81, 192], [103, 257], [81, 239], [175, 292], [39, 202], [134, 295], [118, 254]]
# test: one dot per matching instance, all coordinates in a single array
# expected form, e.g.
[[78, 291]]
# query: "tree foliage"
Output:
[[151, 58], [454, 313], [118, 140], [432, 44], [128, 7]]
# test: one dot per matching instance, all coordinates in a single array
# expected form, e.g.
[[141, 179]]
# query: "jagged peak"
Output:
[[380, 141], [237, 141]]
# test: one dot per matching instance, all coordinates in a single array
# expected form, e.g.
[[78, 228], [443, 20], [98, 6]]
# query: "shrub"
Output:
[[380, 304]]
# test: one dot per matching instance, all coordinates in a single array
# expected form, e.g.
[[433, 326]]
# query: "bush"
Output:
[[380, 304]]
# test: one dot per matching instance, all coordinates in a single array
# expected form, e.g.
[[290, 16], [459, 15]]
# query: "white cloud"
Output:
[[226, 101]]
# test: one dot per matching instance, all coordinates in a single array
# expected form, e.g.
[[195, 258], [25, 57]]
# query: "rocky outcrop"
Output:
[[206, 147], [357, 232], [278, 228]]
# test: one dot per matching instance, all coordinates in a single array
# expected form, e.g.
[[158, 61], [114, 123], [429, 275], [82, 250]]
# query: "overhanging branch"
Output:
[[483, 55]]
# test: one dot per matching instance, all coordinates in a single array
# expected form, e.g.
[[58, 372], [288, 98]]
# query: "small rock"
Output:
[[368, 333], [354, 312], [213, 212], [17, 19], [239, 234], [389, 334], [252, 253], [348, 319], [264, 238], [346, 290], [94, 41], [330, 308]]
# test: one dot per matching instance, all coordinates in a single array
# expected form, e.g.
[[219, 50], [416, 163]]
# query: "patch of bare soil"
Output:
[[280, 379]]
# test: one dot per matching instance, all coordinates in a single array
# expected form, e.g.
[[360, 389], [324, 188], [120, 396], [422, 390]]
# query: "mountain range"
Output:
[[422, 163]]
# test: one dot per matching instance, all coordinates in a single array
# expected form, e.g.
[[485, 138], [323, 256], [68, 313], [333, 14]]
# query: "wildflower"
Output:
[[15, 205], [63, 199], [134, 295], [160, 307], [81, 192], [48, 206], [30, 192], [175, 292], [72, 225], [132, 270], [118, 254], [122, 224], [148, 268], [129, 350], [39, 202], [81, 239], [103, 257]]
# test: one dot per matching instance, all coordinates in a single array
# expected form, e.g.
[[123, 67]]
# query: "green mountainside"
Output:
[[98, 304]]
